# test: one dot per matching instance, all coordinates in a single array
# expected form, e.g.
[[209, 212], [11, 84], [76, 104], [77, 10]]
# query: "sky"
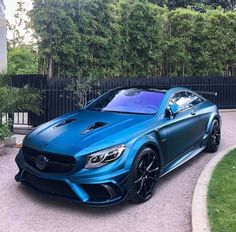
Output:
[[10, 7]]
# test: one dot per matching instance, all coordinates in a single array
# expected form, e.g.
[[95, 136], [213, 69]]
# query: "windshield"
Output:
[[137, 101]]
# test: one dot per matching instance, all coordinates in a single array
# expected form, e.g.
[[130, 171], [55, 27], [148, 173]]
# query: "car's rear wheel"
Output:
[[214, 137], [145, 173]]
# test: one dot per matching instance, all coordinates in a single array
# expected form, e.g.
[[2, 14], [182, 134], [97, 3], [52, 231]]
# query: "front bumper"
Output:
[[94, 190]]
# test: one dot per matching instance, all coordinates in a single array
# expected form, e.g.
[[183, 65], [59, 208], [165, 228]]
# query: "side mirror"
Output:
[[174, 109]]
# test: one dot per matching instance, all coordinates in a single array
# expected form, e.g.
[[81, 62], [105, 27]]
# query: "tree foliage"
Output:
[[98, 50], [22, 55], [201, 44], [19, 28], [22, 61], [15, 99], [111, 38], [224, 4], [141, 33], [5, 132], [55, 25], [198, 5]]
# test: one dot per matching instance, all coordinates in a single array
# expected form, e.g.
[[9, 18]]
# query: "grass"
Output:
[[222, 195]]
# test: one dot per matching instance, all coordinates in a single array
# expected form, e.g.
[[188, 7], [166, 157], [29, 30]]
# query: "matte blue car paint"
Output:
[[135, 131]]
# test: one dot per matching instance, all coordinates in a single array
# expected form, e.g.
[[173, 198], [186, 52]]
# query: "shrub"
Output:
[[5, 131]]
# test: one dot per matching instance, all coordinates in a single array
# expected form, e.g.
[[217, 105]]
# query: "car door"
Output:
[[183, 129], [201, 113]]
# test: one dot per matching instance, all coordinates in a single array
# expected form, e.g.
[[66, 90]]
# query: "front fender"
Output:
[[148, 140]]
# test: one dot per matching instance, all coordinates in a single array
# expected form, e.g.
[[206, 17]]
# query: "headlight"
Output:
[[101, 158]]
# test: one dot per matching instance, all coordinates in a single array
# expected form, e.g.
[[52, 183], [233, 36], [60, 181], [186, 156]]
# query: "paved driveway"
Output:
[[169, 210]]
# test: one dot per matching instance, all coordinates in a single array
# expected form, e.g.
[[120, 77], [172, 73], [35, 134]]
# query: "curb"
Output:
[[200, 222], [227, 110]]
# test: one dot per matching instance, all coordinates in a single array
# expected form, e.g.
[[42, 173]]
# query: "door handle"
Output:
[[193, 112]]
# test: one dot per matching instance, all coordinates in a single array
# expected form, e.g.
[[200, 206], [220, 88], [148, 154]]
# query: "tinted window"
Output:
[[129, 101], [186, 100]]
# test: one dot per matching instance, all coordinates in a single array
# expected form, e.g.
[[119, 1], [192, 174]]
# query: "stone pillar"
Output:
[[3, 40]]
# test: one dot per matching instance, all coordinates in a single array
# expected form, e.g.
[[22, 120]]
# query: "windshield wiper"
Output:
[[114, 111], [95, 108]]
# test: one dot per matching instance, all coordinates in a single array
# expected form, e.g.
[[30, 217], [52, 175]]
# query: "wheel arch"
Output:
[[146, 141], [211, 119], [156, 149]]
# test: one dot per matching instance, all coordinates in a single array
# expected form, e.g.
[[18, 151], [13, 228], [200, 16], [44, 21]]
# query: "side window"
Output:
[[185, 100], [180, 99], [193, 99]]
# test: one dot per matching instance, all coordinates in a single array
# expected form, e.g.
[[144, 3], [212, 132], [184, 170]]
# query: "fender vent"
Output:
[[67, 121], [93, 127]]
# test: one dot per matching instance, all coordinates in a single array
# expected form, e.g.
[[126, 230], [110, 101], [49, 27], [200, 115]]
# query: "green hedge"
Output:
[[111, 38]]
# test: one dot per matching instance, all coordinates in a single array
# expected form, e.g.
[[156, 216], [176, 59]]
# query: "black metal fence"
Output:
[[224, 86], [58, 100]]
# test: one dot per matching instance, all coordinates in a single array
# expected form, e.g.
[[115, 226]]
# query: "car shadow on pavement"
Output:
[[68, 206]]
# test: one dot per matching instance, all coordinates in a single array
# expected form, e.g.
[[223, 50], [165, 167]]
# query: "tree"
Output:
[[221, 40], [20, 29], [22, 57], [199, 44], [161, 3], [98, 50], [15, 99], [22, 61], [225, 4], [198, 5], [56, 34], [141, 31], [82, 31], [173, 4], [177, 54], [110, 38]]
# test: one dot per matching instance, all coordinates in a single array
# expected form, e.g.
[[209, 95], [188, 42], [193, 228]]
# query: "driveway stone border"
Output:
[[200, 222], [227, 110]]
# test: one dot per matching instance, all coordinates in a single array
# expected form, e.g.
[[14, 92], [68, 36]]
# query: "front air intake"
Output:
[[93, 127], [67, 121]]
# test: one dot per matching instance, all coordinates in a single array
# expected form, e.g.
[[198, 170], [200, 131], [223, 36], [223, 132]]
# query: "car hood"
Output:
[[86, 131]]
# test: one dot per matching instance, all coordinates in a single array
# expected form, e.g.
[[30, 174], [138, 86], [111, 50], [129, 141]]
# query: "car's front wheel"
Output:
[[145, 173]]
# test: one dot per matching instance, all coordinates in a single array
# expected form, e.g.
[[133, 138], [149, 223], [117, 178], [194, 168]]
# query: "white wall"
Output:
[[3, 40]]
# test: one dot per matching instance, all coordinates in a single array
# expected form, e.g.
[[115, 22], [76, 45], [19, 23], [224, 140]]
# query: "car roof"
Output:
[[150, 88], [169, 91]]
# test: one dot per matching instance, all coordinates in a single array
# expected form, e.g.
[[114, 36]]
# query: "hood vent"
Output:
[[93, 127], [67, 121]]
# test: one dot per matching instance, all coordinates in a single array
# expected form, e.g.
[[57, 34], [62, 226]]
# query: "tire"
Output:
[[144, 175], [214, 137]]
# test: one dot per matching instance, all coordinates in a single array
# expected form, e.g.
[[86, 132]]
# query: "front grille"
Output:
[[55, 163], [51, 187]]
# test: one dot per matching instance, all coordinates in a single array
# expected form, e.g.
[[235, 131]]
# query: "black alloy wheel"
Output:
[[145, 175], [214, 137]]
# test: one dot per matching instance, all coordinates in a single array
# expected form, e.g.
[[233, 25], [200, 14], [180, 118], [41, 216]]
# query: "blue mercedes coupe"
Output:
[[119, 145]]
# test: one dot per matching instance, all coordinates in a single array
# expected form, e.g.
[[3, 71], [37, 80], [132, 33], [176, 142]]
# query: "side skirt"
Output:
[[181, 160]]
